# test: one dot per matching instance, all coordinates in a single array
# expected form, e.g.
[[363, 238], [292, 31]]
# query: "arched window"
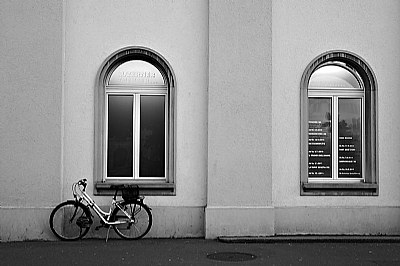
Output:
[[339, 151], [134, 124]]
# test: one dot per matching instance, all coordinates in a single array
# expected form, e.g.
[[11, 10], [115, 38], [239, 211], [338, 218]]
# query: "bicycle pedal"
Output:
[[83, 222], [101, 226]]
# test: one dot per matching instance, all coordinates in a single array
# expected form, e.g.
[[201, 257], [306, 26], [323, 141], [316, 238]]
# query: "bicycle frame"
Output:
[[82, 195]]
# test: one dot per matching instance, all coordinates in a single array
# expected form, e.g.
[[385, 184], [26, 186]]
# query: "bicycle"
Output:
[[130, 217]]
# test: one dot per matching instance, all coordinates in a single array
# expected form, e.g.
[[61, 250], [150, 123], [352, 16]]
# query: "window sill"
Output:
[[339, 189], [146, 189]]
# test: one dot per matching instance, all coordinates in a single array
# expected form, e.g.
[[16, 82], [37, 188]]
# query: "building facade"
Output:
[[246, 118]]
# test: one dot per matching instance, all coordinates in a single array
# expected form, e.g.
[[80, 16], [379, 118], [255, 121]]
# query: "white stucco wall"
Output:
[[30, 115], [238, 66], [178, 30], [301, 31]]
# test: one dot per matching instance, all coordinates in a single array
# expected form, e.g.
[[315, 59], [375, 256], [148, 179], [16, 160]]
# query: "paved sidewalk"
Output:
[[199, 252]]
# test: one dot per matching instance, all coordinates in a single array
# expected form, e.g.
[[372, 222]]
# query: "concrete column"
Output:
[[239, 124], [31, 74]]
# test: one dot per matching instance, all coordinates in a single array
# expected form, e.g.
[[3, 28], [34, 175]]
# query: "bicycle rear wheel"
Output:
[[135, 227], [70, 220]]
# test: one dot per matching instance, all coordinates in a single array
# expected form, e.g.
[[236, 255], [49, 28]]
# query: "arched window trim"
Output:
[[370, 186], [102, 186]]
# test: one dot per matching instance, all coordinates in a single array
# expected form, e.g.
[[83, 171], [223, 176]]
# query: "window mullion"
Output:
[[136, 134], [335, 138]]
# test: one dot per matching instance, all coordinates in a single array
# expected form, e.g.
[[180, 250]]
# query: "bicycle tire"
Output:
[[65, 219], [134, 228]]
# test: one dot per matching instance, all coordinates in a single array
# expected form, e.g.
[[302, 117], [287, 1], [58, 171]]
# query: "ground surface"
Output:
[[197, 252]]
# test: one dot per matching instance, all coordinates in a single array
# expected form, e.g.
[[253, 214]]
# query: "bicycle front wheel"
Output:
[[70, 220], [138, 222]]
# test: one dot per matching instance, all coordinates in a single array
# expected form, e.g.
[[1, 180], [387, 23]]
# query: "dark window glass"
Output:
[[120, 132], [320, 138], [152, 136], [350, 138]]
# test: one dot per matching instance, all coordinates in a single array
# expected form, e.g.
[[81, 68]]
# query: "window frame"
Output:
[[335, 98], [148, 186], [136, 97], [369, 185]]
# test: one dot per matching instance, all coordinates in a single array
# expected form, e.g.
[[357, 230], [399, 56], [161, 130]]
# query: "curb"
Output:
[[310, 239]]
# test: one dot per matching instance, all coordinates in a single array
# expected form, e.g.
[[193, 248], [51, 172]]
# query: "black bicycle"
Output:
[[130, 217]]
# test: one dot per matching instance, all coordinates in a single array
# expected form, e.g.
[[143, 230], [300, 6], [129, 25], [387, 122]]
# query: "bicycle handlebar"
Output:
[[83, 182]]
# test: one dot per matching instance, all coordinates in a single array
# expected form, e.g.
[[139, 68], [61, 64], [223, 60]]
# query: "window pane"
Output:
[[320, 138], [350, 138], [333, 77], [120, 129], [136, 73], [152, 136]]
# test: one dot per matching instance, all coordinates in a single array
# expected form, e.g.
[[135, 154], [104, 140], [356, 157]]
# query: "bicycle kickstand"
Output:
[[108, 232]]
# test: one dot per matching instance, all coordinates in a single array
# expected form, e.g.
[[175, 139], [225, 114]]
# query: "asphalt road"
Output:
[[196, 252]]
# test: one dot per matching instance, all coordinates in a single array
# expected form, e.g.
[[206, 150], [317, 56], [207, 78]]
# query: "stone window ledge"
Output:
[[145, 188], [339, 189]]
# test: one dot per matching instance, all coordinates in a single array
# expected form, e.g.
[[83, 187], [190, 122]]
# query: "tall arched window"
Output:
[[339, 151], [134, 124]]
